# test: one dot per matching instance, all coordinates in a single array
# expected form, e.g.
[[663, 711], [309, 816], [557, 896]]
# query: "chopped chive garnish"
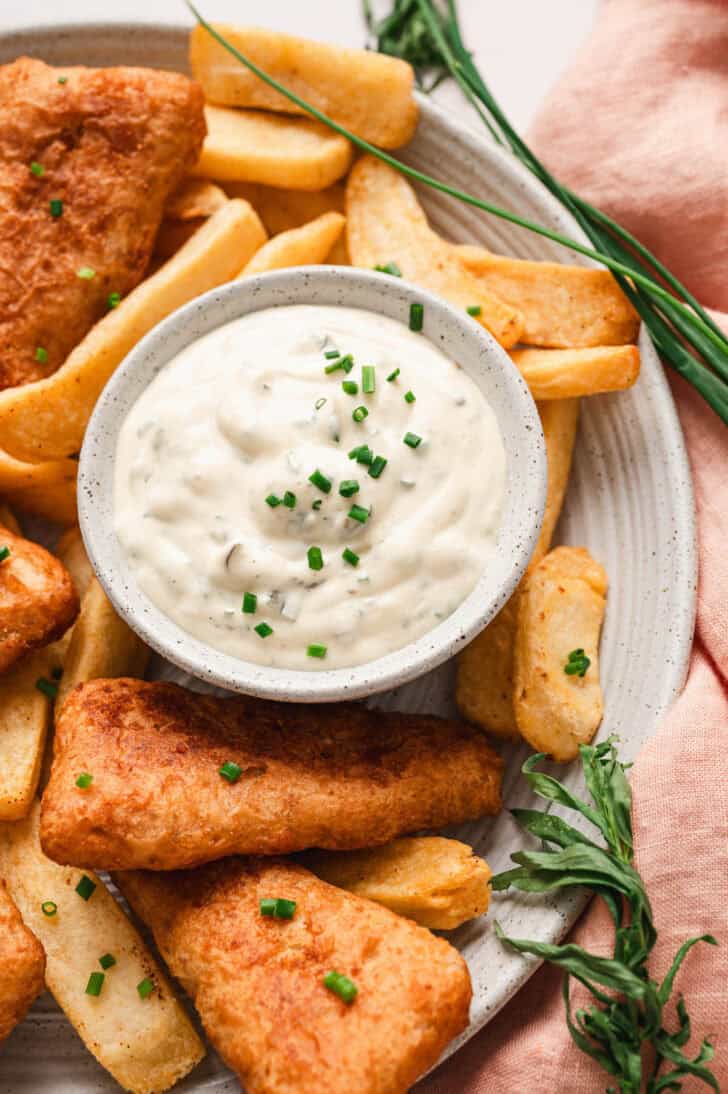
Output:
[[107, 961], [49, 908], [341, 985], [145, 988], [389, 268], [368, 379], [4, 553], [49, 690], [86, 273], [474, 310], [315, 650], [230, 771], [410, 397], [359, 513], [350, 387], [37, 169], [113, 300], [320, 481], [263, 629], [578, 663], [273, 500], [320, 402], [331, 353], [85, 887], [348, 487], [346, 362], [41, 354], [315, 558], [250, 603], [362, 454], [360, 414], [412, 439], [350, 557], [393, 375], [317, 504], [289, 500], [56, 207], [95, 983], [417, 314], [63, 79], [377, 466], [84, 780], [277, 907]]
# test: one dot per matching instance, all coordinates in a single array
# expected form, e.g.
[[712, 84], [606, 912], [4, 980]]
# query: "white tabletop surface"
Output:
[[521, 46]]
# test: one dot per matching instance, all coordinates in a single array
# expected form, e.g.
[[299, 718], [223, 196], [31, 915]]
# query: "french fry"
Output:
[[367, 92], [282, 209], [561, 609], [25, 716], [437, 882], [386, 223], [570, 373], [46, 420], [559, 419], [309, 244], [47, 489], [562, 306], [147, 1045], [252, 146], [484, 680], [72, 553], [194, 199], [101, 645]]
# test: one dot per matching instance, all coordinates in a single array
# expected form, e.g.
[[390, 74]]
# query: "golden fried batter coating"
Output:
[[257, 982], [38, 601], [336, 776], [110, 145], [22, 966]]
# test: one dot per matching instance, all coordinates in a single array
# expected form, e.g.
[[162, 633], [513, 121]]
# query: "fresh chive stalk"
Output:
[[683, 332]]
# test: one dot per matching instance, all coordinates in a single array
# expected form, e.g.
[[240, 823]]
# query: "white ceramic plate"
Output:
[[630, 502]]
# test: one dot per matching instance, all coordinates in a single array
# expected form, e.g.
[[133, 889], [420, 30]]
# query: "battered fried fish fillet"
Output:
[[38, 601], [335, 776], [88, 158], [257, 982], [22, 966]]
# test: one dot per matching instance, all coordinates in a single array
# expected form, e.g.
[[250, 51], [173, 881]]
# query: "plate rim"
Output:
[[676, 670]]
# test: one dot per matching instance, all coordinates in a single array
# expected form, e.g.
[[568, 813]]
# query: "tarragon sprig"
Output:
[[628, 1009]]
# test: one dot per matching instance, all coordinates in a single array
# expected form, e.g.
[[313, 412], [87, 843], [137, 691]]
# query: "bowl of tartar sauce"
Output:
[[312, 484]]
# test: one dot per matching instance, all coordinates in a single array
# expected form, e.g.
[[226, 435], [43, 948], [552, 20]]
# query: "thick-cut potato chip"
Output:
[[561, 610], [193, 199], [254, 146], [367, 92], [484, 681], [101, 644], [46, 420], [386, 223], [570, 373], [47, 489], [25, 715], [309, 244], [146, 1044], [437, 882], [281, 209], [562, 306]]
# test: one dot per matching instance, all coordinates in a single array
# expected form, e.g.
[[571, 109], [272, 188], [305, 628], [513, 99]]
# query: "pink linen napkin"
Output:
[[639, 127]]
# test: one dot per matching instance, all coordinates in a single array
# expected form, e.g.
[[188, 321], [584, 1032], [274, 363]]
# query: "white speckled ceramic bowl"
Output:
[[459, 337]]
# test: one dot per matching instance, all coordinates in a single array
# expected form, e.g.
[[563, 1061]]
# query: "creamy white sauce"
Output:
[[247, 412]]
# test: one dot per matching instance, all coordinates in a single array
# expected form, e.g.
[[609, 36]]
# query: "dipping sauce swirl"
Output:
[[309, 487]]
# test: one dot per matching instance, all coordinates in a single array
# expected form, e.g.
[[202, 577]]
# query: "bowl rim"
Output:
[[522, 509]]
